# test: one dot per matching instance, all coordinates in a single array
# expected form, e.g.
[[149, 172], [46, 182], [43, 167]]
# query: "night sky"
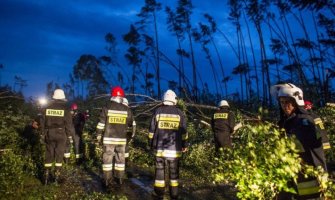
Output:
[[41, 40]]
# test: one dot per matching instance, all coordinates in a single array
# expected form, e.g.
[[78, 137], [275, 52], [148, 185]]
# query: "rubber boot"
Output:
[[173, 193], [47, 177], [57, 176], [67, 160], [108, 179], [79, 161], [119, 181]]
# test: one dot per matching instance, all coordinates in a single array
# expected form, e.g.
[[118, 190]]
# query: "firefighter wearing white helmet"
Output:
[[169, 98], [297, 122], [168, 139], [59, 95], [223, 123], [56, 124]]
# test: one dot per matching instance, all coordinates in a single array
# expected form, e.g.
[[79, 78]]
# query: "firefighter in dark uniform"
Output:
[[223, 123], [168, 139], [130, 133], [114, 120], [78, 120], [319, 125], [56, 124], [298, 122]]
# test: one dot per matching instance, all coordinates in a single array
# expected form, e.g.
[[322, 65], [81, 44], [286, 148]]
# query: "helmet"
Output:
[[288, 90], [308, 105], [125, 101], [169, 98], [74, 106], [59, 94], [117, 91], [223, 103]]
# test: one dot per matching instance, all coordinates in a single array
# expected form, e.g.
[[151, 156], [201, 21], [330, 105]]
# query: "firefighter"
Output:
[[130, 133], [223, 123], [56, 124], [78, 120], [168, 139], [297, 122], [114, 120], [32, 144], [319, 125]]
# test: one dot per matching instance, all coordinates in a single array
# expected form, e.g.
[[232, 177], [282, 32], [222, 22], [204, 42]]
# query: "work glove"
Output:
[[99, 139], [42, 139], [70, 139]]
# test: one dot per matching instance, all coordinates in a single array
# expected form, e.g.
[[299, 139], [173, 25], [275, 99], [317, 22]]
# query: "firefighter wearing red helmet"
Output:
[[56, 124], [78, 120], [300, 125], [168, 140], [114, 120], [308, 105], [319, 125]]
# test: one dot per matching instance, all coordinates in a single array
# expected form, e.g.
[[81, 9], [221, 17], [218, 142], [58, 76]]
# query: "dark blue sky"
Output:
[[41, 40]]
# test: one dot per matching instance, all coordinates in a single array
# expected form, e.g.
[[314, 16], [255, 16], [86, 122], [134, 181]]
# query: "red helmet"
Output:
[[308, 105], [117, 91], [74, 106]]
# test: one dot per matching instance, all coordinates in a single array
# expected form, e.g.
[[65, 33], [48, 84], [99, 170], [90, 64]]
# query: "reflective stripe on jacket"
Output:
[[167, 132]]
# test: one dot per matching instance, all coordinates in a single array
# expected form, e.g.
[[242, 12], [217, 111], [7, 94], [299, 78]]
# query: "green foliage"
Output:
[[327, 185], [11, 123], [11, 173], [138, 151], [327, 115], [261, 162], [196, 162]]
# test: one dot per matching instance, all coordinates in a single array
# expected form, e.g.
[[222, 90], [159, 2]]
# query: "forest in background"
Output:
[[271, 42], [276, 53]]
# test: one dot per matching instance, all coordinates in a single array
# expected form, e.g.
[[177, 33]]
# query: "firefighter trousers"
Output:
[[55, 146], [113, 160], [78, 144], [173, 169]]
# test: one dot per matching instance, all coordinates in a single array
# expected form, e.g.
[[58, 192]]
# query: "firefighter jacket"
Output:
[[114, 120], [222, 123], [309, 141], [56, 115], [321, 130], [167, 132], [223, 120], [78, 121], [309, 144]]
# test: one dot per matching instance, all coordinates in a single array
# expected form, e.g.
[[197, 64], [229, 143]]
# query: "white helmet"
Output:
[[125, 101], [169, 98], [59, 94], [223, 103], [288, 90]]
